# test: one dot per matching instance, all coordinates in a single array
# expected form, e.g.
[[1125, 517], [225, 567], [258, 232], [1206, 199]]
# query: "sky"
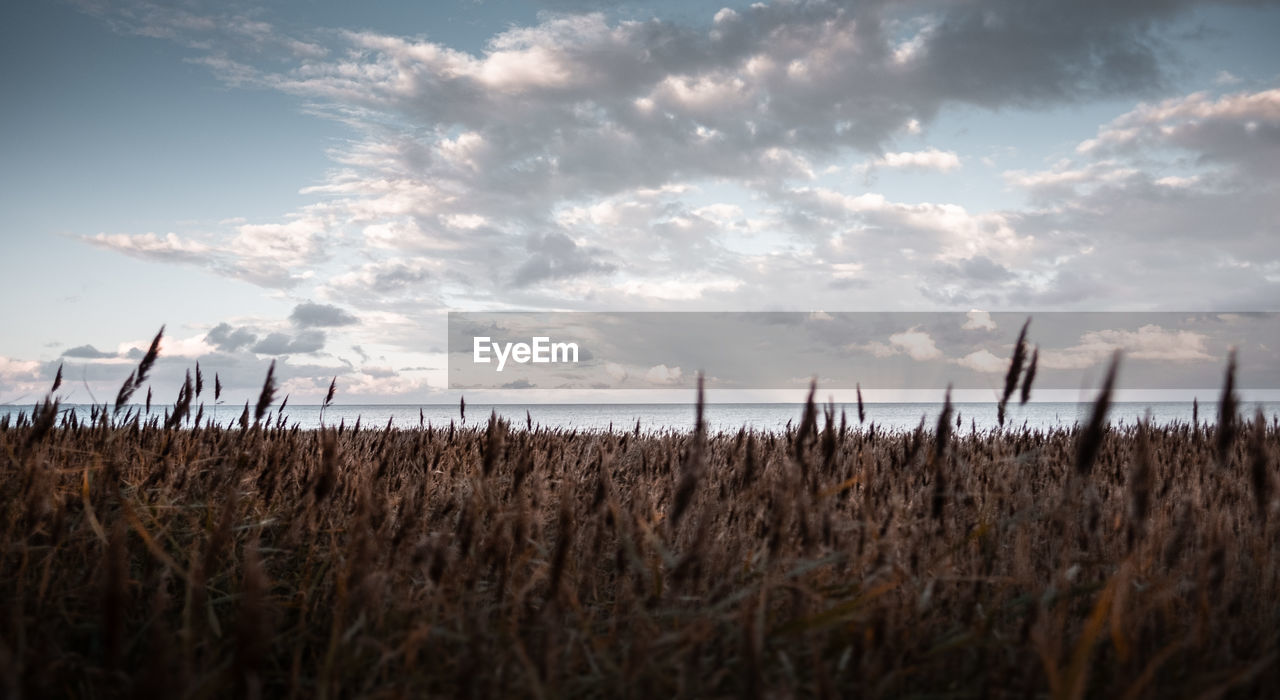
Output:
[[319, 183]]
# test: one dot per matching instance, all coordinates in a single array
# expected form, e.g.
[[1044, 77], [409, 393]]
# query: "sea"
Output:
[[719, 417]]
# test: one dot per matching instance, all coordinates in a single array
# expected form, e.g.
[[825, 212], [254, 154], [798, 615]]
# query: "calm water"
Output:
[[720, 417]]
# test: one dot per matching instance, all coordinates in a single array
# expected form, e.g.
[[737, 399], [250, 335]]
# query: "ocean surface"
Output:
[[720, 417]]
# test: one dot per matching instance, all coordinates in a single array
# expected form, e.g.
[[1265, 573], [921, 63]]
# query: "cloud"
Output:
[[616, 372], [87, 352], [1150, 342], [313, 315], [377, 283], [975, 271], [931, 159], [556, 256], [171, 345], [1168, 191], [20, 377], [810, 73], [228, 339], [663, 375], [1064, 178], [983, 361], [307, 316], [284, 344], [268, 255], [453, 143], [948, 232], [1242, 129], [916, 343], [1225, 77], [977, 320], [148, 246], [585, 161]]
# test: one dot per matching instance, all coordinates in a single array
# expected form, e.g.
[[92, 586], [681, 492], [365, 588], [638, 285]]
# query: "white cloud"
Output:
[[1222, 128], [189, 347], [387, 278], [983, 361], [169, 247], [916, 343], [930, 159], [616, 372], [18, 377], [1064, 175], [1150, 342], [465, 221], [949, 231], [269, 255], [663, 375], [1176, 181], [977, 320]]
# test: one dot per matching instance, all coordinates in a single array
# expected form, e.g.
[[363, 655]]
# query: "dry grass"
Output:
[[261, 560]]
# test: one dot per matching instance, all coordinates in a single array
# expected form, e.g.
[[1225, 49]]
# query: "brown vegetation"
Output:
[[144, 558]]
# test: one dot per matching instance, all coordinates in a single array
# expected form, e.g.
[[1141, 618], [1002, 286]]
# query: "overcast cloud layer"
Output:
[[593, 161]]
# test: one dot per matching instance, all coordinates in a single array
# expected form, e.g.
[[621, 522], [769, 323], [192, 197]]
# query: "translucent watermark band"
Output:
[[844, 350]]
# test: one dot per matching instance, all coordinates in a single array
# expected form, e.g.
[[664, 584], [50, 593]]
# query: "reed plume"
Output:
[[1228, 408], [268, 393], [1091, 437], [139, 376], [1030, 375], [1015, 370]]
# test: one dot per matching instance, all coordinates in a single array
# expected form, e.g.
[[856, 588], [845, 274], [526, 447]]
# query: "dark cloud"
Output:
[[313, 315], [88, 352], [397, 275], [556, 256], [1027, 53], [980, 269], [717, 100], [228, 339]]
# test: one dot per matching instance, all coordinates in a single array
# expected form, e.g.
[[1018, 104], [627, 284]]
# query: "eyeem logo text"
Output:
[[539, 351]]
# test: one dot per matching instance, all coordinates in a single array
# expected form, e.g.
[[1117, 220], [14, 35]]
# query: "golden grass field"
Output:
[[145, 560]]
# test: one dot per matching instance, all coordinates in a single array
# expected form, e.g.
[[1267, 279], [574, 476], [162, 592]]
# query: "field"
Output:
[[492, 560]]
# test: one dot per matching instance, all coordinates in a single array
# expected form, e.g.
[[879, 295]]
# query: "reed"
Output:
[[1016, 363], [150, 557]]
